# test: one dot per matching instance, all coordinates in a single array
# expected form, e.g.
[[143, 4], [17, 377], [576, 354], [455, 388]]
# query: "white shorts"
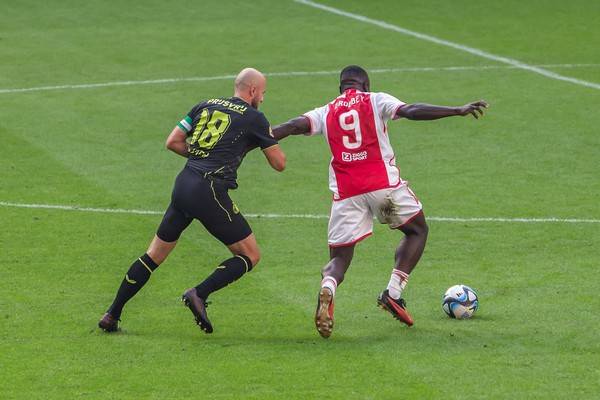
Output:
[[351, 219]]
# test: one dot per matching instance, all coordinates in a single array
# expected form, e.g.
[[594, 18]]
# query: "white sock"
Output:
[[397, 283], [330, 283]]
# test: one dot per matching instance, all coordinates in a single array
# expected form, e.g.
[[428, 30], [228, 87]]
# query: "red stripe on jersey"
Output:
[[352, 135]]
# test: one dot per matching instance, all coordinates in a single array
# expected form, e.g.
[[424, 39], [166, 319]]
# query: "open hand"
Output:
[[473, 108]]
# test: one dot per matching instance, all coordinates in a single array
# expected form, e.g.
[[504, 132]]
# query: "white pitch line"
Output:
[[117, 83], [457, 46], [278, 74], [299, 216], [77, 208]]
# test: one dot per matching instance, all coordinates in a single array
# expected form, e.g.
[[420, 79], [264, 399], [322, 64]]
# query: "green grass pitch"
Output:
[[534, 155]]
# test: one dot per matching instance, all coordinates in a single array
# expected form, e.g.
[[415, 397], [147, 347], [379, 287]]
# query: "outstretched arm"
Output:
[[425, 112], [296, 126]]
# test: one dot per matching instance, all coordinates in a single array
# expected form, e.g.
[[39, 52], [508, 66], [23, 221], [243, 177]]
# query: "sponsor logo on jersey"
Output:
[[349, 157]]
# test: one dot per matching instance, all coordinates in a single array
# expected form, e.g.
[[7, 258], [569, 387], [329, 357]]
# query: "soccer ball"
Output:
[[460, 301]]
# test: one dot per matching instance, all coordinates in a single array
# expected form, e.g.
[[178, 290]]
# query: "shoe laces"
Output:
[[400, 302]]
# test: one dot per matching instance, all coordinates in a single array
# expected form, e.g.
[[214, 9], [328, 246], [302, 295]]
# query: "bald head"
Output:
[[250, 86], [248, 77]]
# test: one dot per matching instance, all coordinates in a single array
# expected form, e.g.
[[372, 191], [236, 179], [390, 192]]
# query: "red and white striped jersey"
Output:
[[355, 125]]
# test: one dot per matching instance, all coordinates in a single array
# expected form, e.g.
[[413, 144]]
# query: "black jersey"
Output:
[[222, 131]]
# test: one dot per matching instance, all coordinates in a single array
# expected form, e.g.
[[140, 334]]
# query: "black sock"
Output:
[[229, 271], [136, 277]]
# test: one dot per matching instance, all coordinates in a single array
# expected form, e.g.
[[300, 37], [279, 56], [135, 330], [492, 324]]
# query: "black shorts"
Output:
[[207, 200]]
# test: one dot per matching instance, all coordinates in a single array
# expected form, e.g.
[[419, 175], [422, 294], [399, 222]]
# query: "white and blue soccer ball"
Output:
[[460, 302]]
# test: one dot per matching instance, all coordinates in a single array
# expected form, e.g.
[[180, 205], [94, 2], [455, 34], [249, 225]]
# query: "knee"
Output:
[[159, 250], [419, 229], [424, 229]]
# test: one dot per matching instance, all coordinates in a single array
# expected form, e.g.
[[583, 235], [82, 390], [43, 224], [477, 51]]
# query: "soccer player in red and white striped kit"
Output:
[[366, 182]]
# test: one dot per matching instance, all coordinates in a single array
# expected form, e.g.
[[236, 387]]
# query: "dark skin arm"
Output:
[[417, 112], [427, 112], [296, 126]]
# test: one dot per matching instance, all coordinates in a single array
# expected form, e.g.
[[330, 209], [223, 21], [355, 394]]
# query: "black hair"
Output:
[[353, 75]]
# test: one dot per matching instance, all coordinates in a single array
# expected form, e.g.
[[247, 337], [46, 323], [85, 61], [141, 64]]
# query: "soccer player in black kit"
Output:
[[220, 131]]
